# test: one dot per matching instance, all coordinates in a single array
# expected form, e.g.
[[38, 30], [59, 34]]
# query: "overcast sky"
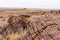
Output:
[[51, 4]]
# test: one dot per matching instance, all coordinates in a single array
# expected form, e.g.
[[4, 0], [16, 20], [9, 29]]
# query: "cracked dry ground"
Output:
[[27, 27]]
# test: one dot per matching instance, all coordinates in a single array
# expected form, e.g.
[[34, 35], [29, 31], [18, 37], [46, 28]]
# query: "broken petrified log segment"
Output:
[[20, 28], [42, 23], [16, 20]]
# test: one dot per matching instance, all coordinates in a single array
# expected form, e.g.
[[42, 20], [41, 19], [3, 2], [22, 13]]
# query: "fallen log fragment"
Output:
[[21, 28]]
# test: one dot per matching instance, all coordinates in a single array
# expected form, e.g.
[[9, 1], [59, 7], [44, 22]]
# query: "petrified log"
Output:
[[21, 27]]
